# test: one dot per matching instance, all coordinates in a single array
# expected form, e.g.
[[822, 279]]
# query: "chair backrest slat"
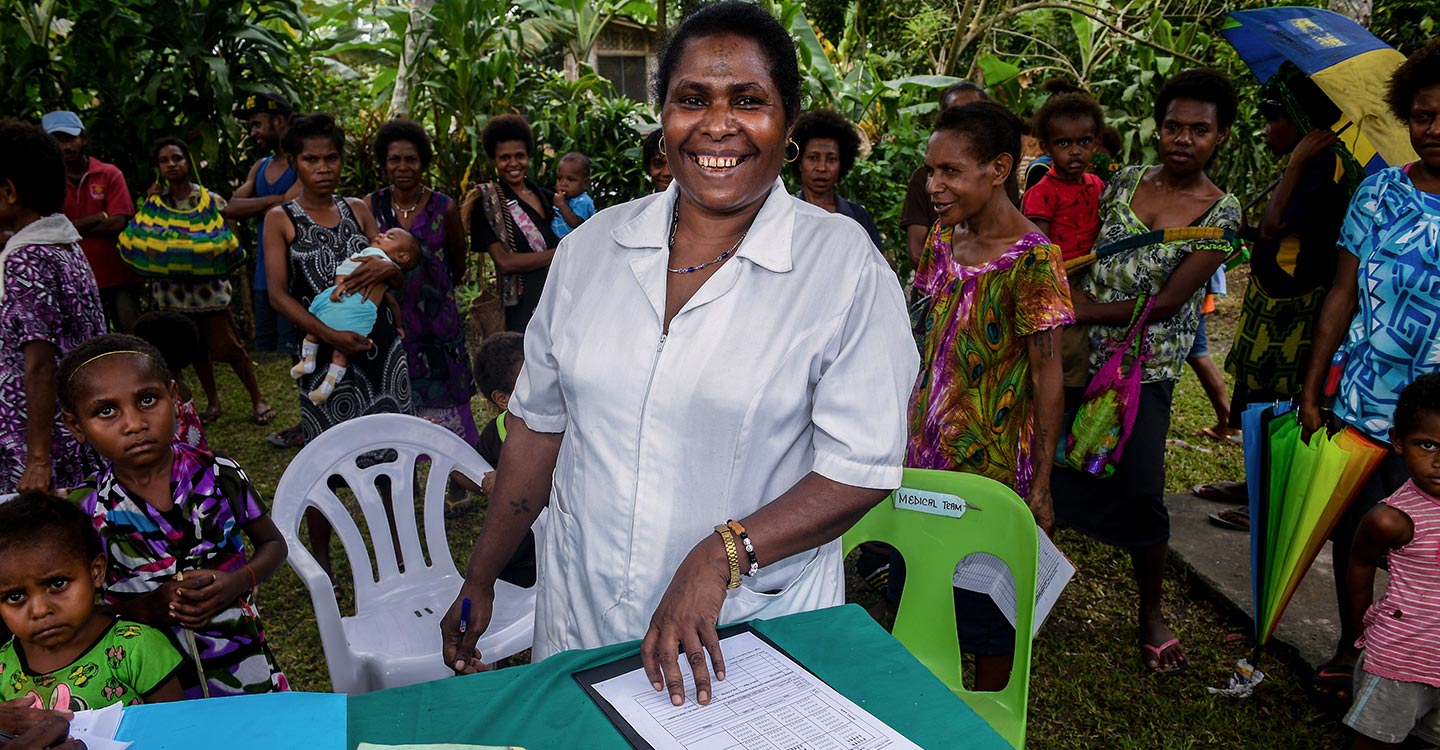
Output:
[[996, 522]]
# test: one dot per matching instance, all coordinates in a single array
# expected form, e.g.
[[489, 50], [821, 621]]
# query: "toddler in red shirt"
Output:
[[1065, 203]]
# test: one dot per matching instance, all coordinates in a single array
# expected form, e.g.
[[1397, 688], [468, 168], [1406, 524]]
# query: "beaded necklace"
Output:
[[675, 224]]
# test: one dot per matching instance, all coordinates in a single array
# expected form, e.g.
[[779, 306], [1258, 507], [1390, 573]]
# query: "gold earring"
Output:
[[790, 143], [662, 141]]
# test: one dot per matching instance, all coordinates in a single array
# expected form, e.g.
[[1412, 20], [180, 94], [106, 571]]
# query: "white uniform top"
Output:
[[796, 356]]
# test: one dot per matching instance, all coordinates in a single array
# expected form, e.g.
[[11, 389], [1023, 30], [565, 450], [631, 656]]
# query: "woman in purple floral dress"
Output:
[[49, 304], [440, 377]]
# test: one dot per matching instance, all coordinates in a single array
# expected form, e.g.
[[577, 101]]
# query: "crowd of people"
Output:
[[708, 385]]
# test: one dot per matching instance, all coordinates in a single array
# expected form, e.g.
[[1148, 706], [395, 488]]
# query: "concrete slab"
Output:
[[1221, 559]]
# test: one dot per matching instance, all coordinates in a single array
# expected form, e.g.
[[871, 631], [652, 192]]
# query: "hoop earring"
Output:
[[662, 142], [788, 145]]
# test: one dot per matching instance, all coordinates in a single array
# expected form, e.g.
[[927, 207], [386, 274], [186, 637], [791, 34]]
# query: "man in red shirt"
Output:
[[98, 203]]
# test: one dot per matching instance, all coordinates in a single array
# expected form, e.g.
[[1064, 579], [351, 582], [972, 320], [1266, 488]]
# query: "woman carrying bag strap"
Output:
[[487, 311]]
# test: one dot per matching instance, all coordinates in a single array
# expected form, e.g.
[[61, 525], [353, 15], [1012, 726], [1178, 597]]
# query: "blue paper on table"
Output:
[[314, 721]]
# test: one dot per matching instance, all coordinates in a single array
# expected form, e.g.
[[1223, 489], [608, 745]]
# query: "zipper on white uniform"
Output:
[[639, 437]]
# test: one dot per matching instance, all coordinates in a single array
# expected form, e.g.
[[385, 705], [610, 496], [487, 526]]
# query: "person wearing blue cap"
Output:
[[97, 202]]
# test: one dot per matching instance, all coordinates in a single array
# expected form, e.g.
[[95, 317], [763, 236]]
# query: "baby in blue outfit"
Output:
[[355, 312], [573, 204]]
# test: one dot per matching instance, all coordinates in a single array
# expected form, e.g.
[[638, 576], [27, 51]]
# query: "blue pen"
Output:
[[464, 614]]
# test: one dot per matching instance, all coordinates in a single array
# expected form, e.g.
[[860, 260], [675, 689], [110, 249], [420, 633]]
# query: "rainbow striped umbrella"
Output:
[[1347, 62], [1298, 491]]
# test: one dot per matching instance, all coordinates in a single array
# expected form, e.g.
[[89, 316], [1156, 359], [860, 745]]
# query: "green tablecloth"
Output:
[[541, 707]]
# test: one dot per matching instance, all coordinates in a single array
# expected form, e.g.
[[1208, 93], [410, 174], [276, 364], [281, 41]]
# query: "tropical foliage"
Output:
[[136, 69]]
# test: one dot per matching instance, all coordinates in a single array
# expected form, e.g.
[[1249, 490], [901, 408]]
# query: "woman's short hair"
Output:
[[827, 123], [1420, 70], [743, 19], [963, 87], [651, 148], [315, 125], [402, 129], [161, 143], [1076, 104], [1199, 84], [506, 128], [990, 128], [33, 164]]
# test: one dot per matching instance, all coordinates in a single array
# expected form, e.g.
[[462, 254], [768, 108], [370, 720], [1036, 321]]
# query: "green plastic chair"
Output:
[[996, 521]]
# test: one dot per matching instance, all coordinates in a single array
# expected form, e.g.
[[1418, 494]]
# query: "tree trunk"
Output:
[[417, 32], [1359, 10], [660, 12]]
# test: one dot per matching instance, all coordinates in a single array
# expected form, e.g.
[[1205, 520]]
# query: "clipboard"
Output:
[[588, 678]]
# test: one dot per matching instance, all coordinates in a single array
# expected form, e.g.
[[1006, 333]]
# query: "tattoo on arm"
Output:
[[519, 506], [1046, 343]]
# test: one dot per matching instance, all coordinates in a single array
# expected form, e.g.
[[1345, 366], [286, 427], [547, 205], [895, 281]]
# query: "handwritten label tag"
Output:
[[939, 503]]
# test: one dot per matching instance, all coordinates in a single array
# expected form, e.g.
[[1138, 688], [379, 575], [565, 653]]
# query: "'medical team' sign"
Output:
[[938, 503]]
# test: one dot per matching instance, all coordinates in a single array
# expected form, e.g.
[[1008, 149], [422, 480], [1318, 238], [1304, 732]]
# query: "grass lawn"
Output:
[[1087, 686]]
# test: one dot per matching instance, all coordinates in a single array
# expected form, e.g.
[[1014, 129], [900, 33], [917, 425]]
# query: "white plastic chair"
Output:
[[394, 637]]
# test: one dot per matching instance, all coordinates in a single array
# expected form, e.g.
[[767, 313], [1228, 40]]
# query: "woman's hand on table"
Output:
[[35, 729], [685, 620], [458, 645], [346, 342]]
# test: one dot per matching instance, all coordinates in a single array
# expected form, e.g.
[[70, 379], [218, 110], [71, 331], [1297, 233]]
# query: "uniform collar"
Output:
[[767, 244]]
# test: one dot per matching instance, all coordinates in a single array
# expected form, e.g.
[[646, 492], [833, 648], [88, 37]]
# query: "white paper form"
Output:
[[766, 702], [97, 727], [987, 574]]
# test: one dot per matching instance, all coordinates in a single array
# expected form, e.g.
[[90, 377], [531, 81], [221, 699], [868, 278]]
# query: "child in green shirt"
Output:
[[65, 653]]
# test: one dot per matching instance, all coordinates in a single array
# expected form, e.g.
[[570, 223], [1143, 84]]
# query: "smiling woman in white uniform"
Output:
[[718, 351]]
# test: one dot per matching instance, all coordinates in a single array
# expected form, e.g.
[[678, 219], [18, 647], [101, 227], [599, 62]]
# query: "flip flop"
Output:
[[1156, 652], [1222, 492], [290, 437], [1237, 519], [1211, 433], [210, 415], [1334, 683], [264, 417]]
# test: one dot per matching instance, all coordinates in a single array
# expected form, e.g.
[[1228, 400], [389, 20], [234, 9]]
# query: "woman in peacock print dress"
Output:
[[989, 396], [972, 407]]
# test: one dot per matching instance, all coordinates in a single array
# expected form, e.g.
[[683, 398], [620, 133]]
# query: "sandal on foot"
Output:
[[1217, 435], [1156, 652], [210, 415], [264, 416], [1334, 683], [1236, 519], [1222, 492], [290, 437]]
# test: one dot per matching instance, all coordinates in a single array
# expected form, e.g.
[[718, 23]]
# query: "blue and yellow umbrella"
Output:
[[1347, 62]]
